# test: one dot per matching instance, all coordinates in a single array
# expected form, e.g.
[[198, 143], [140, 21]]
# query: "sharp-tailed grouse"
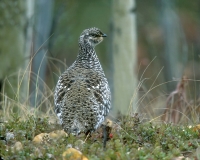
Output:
[[82, 95]]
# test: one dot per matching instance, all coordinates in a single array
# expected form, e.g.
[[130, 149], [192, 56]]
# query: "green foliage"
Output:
[[12, 42], [141, 141]]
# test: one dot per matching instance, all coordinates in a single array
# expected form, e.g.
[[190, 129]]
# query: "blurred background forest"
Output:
[[39, 39]]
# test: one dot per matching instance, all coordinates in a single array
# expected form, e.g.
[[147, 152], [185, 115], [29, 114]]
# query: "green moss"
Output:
[[142, 141]]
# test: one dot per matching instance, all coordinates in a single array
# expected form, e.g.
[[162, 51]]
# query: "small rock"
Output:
[[9, 136]]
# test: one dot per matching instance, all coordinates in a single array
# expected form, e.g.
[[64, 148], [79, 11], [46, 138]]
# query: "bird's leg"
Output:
[[105, 135]]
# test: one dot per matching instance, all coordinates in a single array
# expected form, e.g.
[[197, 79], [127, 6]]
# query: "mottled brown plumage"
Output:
[[82, 95]]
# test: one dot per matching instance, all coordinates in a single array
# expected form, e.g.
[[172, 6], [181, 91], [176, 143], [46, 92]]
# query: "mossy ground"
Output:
[[131, 139]]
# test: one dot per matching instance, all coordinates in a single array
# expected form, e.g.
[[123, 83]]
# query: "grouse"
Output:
[[82, 95]]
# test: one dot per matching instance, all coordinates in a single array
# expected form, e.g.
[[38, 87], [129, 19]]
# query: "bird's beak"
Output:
[[104, 35]]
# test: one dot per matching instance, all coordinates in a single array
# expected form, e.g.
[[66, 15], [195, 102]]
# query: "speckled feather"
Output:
[[82, 95]]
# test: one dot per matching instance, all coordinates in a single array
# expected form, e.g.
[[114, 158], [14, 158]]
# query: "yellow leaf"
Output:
[[196, 128], [39, 138], [58, 134], [73, 154]]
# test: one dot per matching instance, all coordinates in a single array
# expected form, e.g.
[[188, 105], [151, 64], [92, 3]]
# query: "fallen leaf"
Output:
[[73, 154], [58, 134], [197, 128], [40, 138]]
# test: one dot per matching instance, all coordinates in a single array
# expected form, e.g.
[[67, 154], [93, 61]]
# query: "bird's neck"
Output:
[[87, 56]]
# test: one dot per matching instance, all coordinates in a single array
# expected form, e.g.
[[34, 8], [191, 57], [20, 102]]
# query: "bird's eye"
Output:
[[93, 35]]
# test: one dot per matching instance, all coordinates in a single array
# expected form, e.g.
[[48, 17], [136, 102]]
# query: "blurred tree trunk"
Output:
[[30, 4], [124, 54], [175, 46], [43, 23]]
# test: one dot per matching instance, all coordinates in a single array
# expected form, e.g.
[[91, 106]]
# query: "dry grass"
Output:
[[153, 107], [20, 101], [133, 135]]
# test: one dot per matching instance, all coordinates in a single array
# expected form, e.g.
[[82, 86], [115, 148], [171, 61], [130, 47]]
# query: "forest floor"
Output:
[[129, 138]]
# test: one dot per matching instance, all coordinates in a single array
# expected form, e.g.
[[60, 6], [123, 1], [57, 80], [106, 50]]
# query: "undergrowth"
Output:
[[132, 137], [143, 140]]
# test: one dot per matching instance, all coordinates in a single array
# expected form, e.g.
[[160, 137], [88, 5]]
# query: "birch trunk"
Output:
[[43, 24], [124, 54]]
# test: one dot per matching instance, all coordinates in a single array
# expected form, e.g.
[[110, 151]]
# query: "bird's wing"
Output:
[[63, 85], [101, 92]]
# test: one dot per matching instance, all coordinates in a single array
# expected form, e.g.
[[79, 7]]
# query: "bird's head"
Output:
[[92, 36]]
